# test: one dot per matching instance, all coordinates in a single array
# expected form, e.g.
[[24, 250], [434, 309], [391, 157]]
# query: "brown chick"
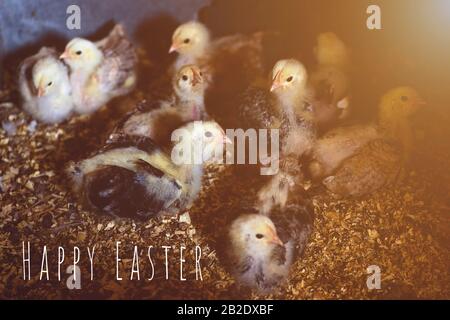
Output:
[[366, 167]]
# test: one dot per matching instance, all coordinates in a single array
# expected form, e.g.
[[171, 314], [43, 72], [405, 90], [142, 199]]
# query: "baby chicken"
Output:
[[330, 80], [262, 249], [261, 107], [375, 165], [186, 104], [192, 41], [132, 177], [297, 130], [100, 71], [374, 158], [45, 87]]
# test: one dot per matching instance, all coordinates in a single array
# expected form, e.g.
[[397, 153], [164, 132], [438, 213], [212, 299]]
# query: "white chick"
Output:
[[132, 177], [186, 104], [45, 87], [396, 108], [192, 41], [100, 71], [262, 249], [289, 79]]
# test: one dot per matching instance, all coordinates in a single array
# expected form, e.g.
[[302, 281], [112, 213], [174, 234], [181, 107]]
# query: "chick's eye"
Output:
[[184, 78], [290, 79], [404, 98], [259, 236], [78, 53], [49, 84], [186, 41], [208, 134]]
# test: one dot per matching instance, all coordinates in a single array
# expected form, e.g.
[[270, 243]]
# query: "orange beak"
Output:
[[65, 55], [273, 238], [276, 83], [173, 48], [41, 92]]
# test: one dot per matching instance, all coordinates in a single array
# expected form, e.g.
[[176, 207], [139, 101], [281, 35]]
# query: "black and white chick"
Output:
[[263, 248], [185, 104], [45, 87], [131, 176], [100, 71], [296, 124]]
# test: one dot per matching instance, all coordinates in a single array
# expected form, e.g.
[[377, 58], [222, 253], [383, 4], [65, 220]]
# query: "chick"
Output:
[[132, 177], [289, 79], [261, 107], [262, 248], [330, 80], [297, 131], [231, 62], [337, 145], [373, 159], [192, 41], [100, 71], [45, 87], [374, 166], [186, 104]]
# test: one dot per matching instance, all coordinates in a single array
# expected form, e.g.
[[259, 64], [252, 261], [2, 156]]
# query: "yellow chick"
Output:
[[368, 157], [100, 71]]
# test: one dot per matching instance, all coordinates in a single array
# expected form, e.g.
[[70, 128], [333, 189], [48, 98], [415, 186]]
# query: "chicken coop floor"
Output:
[[403, 229]]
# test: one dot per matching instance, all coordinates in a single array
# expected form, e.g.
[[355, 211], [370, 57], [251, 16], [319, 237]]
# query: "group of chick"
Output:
[[224, 80]]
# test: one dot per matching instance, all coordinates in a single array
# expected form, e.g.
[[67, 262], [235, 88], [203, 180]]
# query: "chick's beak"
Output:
[[273, 238], [173, 48], [41, 92], [276, 83], [65, 55]]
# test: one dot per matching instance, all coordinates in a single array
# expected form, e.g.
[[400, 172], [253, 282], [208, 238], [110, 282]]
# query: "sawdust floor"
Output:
[[403, 229]]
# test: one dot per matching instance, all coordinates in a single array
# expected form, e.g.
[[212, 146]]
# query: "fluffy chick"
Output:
[[100, 71], [330, 80], [262, 249], [297, 131], [374, 166], [185, 104], [45, 87], [132, 177], [367, 162], [262, 107]]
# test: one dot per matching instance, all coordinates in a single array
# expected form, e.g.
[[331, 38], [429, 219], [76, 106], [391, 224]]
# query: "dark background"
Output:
[[413, 48]]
